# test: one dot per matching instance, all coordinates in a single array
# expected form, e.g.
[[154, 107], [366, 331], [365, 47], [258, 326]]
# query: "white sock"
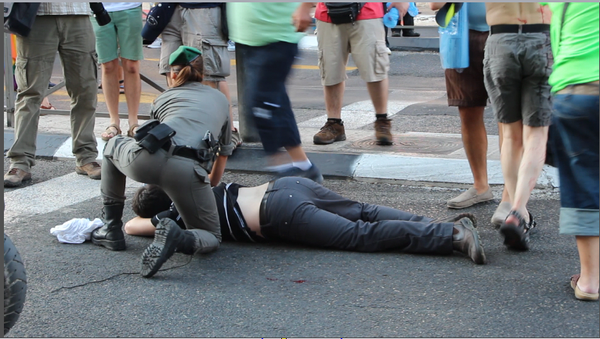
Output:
[[303, 165]]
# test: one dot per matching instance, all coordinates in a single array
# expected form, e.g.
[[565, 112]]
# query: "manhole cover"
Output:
[[414, 144]]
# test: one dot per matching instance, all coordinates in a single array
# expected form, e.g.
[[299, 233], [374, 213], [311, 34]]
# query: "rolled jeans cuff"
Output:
[[579, 222]]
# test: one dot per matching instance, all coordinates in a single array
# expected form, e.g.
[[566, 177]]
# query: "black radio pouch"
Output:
[[343, 12], [153, 135]]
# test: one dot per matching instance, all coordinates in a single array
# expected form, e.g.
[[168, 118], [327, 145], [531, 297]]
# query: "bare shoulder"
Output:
[[515, 13]]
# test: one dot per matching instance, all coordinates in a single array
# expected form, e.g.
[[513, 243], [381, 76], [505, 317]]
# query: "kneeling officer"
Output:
[[183, 150]]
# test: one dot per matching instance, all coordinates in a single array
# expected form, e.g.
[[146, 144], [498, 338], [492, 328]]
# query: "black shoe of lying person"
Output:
[[467, 241]]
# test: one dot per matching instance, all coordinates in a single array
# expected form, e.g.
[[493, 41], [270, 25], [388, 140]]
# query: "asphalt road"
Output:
[[282, 290]]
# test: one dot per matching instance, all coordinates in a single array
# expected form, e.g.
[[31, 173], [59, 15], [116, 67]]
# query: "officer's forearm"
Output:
[[217, 170]]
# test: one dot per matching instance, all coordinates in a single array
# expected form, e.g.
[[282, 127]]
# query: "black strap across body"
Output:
[[343, 12]]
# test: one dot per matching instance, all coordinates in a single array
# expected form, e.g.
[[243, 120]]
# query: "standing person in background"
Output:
[[575, 89], [267, 34], [407, 20], [365, 40], [120, 39], [517, 64], [198, 24], [466, 89], [62, 27]]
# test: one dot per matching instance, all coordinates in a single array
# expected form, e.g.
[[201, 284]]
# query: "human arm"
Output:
[[140, 226], [301, 17], [217, 170], [436, 5]]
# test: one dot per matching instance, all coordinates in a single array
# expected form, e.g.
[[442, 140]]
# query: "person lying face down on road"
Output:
[[300, 211]]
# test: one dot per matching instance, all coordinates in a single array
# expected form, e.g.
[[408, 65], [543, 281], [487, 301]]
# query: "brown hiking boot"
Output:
[[332, 131], [383, 133], [92, 170], [15, 177]]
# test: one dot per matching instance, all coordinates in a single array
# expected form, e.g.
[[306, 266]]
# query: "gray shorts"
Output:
[[516, 68], [200, 28]]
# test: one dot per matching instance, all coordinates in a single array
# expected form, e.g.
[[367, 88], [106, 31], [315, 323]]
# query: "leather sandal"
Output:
[[132, 129], [516, 235], [109, 134], [579, 294]]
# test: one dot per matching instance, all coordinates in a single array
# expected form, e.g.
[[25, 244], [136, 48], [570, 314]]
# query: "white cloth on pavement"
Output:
[[76, 231]]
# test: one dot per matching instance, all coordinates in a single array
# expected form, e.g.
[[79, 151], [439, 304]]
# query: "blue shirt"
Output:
[[476, 16]]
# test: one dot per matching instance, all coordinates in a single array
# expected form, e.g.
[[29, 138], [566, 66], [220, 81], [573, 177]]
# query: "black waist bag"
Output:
[[343, 12]]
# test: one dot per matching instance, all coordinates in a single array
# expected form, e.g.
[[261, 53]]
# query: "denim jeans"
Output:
[[266, 69], [575, 147]]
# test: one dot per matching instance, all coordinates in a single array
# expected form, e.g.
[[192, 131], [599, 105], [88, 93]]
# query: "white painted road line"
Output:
[[362, 113], [53, 195]]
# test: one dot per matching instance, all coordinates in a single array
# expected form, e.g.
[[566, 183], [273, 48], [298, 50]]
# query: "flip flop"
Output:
[[109, 134], [445, 14]]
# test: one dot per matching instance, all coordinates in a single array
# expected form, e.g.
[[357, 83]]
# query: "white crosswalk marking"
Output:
[[53, 195], [362, 113]]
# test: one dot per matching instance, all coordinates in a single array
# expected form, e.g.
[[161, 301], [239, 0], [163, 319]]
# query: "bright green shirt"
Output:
[[574, 44], [262, 23]]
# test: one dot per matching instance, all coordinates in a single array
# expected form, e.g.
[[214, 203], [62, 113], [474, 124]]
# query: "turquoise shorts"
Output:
[[122, 37]]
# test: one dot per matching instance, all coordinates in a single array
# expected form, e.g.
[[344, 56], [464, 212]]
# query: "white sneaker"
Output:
[[388, 50], [156, 44], [501, 213], [230, 46]]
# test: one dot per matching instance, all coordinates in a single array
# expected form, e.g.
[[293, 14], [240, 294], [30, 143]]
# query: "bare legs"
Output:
[[111, 73], [589, 258], [474, 137], [334, 96], [522, 158]]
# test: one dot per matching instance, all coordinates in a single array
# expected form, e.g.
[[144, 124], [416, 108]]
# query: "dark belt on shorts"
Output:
[[263, 204], [533, 28]]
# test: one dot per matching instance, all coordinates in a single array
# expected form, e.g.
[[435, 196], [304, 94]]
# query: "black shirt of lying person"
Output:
[[233, 224]]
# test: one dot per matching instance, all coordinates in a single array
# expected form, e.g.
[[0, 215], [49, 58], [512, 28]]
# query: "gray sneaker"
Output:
[[467, 241], [470, 198], [501, 213]]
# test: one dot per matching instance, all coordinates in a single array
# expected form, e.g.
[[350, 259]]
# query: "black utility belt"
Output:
[[533, 28], [154, 135]]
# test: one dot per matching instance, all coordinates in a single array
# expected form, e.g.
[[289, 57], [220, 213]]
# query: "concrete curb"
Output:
[[355, 166]]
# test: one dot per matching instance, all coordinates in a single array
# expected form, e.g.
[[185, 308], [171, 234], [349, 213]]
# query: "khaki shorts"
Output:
[[200, 28], [364, 39]]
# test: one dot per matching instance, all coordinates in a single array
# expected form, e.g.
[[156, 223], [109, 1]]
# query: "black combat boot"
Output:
[[111, 234], [168, 239], [466, 240]]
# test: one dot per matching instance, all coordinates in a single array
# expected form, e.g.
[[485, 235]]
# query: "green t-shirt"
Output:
[[574, 44], [262, 23]]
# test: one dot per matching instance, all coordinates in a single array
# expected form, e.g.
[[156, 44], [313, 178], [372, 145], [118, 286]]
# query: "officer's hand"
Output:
[[301, 18]]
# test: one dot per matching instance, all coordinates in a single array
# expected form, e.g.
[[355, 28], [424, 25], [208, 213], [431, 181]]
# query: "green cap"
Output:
[[184, 55]]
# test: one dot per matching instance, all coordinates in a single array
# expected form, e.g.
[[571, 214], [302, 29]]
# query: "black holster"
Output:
[[153, 134]]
